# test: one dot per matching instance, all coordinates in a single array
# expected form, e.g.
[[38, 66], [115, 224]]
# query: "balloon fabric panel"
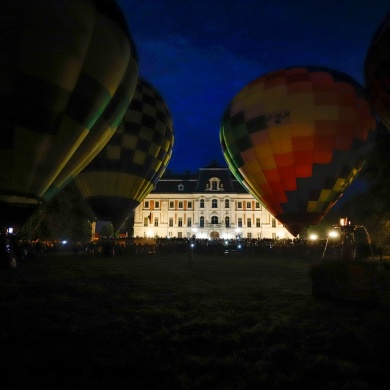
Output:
[[62, 64], [377, 71], [134, 158], [305, 118]]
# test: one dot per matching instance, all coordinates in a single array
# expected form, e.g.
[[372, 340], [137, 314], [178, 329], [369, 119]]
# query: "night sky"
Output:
[[199, 54]]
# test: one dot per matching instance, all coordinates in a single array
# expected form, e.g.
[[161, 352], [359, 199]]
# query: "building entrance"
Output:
[[214, 235]]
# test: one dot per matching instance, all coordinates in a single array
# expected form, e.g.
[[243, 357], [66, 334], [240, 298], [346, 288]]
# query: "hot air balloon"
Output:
[[128, 167], [296, 138], [377, 71], [61, 64]]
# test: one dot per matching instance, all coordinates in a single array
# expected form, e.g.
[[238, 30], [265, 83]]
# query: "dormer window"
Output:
[[180, 187], [214, 184]]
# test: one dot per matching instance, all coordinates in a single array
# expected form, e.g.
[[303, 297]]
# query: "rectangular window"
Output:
[[180, 235], [189, 222], [180, 205], [249, 222], [201, 203], [156, 221], [239, 205], [180, 222], [239, 222], [258, 222], [157, 205], [189, 205], [273, 222], [146, 204], [248, 205], [249, 236], [170, 221], [146, 221], [257, 205], [171, 205]]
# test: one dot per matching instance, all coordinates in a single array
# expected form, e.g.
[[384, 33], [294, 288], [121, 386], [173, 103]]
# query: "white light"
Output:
[[313, 237], [10, 230], [333, 234], [280, 235], [149, 233], [64, 242]]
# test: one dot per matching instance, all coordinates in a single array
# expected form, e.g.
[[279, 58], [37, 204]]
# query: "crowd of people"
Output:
[[110, 247]]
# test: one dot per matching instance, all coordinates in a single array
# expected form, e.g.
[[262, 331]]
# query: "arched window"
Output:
[[214, 204], [214, 219], [227, 222], [201, 222], [214, 185]]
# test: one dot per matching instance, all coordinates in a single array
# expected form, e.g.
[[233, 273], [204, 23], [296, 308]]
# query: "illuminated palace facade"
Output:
[[210, 204]]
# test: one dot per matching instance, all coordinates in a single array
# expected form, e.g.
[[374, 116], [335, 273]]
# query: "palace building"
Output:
[[210, 204]]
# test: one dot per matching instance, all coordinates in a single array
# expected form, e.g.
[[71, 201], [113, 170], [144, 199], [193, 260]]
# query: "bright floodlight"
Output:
[[313, 237], [333, 234]]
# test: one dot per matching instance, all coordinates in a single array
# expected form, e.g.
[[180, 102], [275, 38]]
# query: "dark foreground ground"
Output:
[[151, 321]]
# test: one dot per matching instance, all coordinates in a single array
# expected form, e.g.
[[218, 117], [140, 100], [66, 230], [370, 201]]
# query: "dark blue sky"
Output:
[[200, 53]]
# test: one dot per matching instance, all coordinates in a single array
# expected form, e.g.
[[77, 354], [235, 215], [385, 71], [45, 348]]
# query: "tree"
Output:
[[67, 215]]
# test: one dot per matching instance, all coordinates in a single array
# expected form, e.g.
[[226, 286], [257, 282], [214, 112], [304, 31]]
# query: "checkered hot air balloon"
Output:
[[62, 63], [296, 138], [126, 170], [377, 71]]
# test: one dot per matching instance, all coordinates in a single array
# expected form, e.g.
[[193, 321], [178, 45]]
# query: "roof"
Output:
[[199, 182]]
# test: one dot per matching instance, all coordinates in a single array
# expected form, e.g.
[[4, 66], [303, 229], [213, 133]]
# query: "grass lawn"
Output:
[[151, 321]]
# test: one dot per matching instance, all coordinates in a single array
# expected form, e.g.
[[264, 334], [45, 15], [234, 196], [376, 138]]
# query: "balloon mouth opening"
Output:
[[295, 222], [114, 209]]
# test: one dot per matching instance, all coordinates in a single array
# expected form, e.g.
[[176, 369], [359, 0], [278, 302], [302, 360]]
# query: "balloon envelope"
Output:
[[296, 138], [61, 63], [128, 167], [377, 71]]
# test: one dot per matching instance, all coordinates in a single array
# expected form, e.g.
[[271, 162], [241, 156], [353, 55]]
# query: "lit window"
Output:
[[227, 222]]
